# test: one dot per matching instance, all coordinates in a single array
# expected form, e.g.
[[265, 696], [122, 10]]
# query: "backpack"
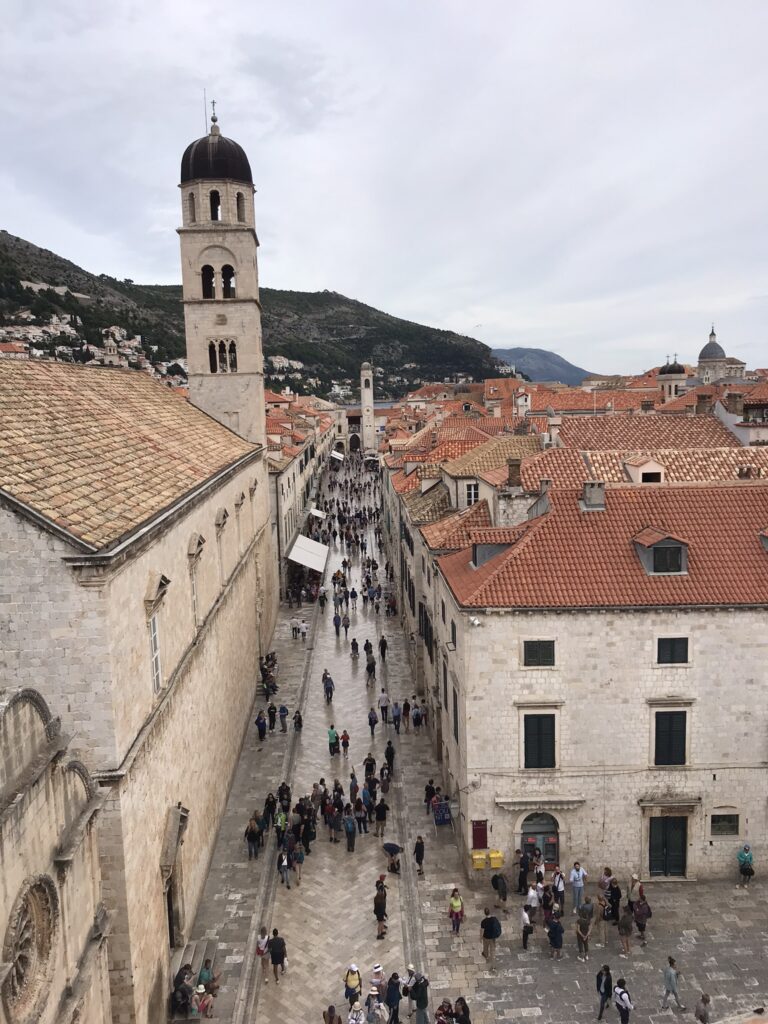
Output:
[[496, 929]]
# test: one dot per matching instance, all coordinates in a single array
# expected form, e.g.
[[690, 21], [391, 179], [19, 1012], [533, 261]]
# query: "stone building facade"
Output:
[[602, 710], [53, 924]]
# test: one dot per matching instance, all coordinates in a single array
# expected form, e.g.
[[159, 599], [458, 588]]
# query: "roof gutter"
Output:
[[106, 556]]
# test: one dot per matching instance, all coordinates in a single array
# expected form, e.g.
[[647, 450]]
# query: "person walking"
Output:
[[328, 686], [583, 931], [418, 855], [555, 934], [298, 861], [420, 995], [337, 622], [392, 997], [284, 865], [558, 888], [373, 720], [671, 979], [490, 931], [622, 1001], [350, 828], [626, 922], [384, 703], [283, 716], [578, 877], [702, 1010], [407, 724], [614, 898], [345, 625], [333, 740], [277, 954], [262, 951], [251, 836], [641, 914], [604, 983], [330, 1016], [261, 725], [271, 715], [634, 890], [353, 984], [389, 757], [397, 716], [456, 910], [409, 979], [303, 628], [500, 884], [345, 747], [525, 924], [524, 866], [382, 808], [383, 647], [380, 910], [746, 869]]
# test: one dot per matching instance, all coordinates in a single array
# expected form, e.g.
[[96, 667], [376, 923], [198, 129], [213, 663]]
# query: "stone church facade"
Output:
[[137, 561]]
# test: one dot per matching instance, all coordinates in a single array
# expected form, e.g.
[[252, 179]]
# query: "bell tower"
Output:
[[220, 282], [366, 410]]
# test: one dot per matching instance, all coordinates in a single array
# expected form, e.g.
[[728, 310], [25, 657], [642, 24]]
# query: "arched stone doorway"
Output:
[[354, 442], [339, 447], [542, 830]]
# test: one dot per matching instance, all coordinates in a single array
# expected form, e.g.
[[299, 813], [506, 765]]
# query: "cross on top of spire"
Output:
[[214, 119]]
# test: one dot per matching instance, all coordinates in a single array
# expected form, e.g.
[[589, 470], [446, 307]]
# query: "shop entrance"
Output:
[[354, 442], [667, 846], [541, 830]]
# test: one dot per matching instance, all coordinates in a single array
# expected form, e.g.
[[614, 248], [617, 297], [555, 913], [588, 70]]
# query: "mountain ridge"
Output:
[[541, 364]]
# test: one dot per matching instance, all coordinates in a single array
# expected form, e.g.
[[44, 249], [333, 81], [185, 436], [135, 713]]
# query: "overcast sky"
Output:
[[585, 177]]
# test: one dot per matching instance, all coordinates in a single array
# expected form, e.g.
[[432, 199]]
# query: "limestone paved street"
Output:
[[718, 934]]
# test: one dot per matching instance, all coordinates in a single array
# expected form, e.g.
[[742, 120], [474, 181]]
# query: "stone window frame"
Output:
[[31, 937], [194, 554], [670, 635], [154, 599], [543, 707], [523, 640], [725, 811], [673, 703]]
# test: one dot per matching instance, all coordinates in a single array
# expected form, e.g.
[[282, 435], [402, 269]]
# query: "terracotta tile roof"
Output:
[[758, 395], [492, 454], [633, 432], [456, 406], [402, 483], [652, 535], [680, 465], [576, 400], [495, 477], [271, 397], [574, 559], [564, 467], [498, 534], [429, 506], [99, 451], [453, 531]]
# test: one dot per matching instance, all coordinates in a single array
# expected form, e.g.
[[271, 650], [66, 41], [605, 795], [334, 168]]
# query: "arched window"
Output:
[[192, 215], [223, 362], [215, 205], [232, 357], [367, 382], [212, 360], [228, 281], [209, 282], [240, 207]]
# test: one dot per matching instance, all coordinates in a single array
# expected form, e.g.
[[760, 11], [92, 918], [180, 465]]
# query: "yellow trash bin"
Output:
[[496, 859], [478, 859]]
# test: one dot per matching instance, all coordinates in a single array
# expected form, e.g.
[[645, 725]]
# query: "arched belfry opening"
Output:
[[228, 281], [208, 276], [240, 207], [213, 361], [215, 204], [232, 357], [223, 358], [367, 382], [191, 208]]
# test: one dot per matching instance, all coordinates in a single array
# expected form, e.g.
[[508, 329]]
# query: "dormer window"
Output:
[[661, 554], [668, 558]]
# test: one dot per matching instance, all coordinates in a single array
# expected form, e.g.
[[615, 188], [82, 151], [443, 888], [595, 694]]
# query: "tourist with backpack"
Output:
[[490, 931], [622, 1001]]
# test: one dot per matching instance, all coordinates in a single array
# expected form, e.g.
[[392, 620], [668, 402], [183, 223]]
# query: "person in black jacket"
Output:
[[604, 983], [522, 878]]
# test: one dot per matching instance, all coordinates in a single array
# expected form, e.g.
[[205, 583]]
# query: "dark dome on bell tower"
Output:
[[215, 158]]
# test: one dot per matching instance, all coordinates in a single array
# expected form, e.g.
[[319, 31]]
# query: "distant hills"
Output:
[[539, 364], [330, 333]]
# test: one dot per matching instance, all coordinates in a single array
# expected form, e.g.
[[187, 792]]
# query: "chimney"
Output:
[[734, 403], [513, 472], [703, 404], [593, 496], [544, 486]]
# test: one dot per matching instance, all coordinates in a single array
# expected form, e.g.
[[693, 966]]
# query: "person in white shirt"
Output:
[[525, 924], [622, 1001], [578, 877], [384, 703], [558, 887], [532, 900], [409, 976]]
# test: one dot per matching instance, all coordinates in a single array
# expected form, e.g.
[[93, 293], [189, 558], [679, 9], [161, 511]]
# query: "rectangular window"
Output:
[[672, 650], [193, 577], [539, 653], [442, 610], [670, 737], [668, 559], [650, 478], [473, 493], [445, 684], [453, 632], [539, 741], [725, 824], [154, 652], [455, 715]]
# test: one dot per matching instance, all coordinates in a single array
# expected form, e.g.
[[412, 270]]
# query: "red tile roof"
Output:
[[453, 532], [758, 395], [564, 467], [569, 558], [576, 400], [272, 397], [633, 432]]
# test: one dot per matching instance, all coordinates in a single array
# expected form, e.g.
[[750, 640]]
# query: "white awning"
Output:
[[309, 553], [318, 513], [337, 455]]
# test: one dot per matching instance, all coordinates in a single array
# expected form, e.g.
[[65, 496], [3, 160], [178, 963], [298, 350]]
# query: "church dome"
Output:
[[214, 158], [712, 350], [670, 368]]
